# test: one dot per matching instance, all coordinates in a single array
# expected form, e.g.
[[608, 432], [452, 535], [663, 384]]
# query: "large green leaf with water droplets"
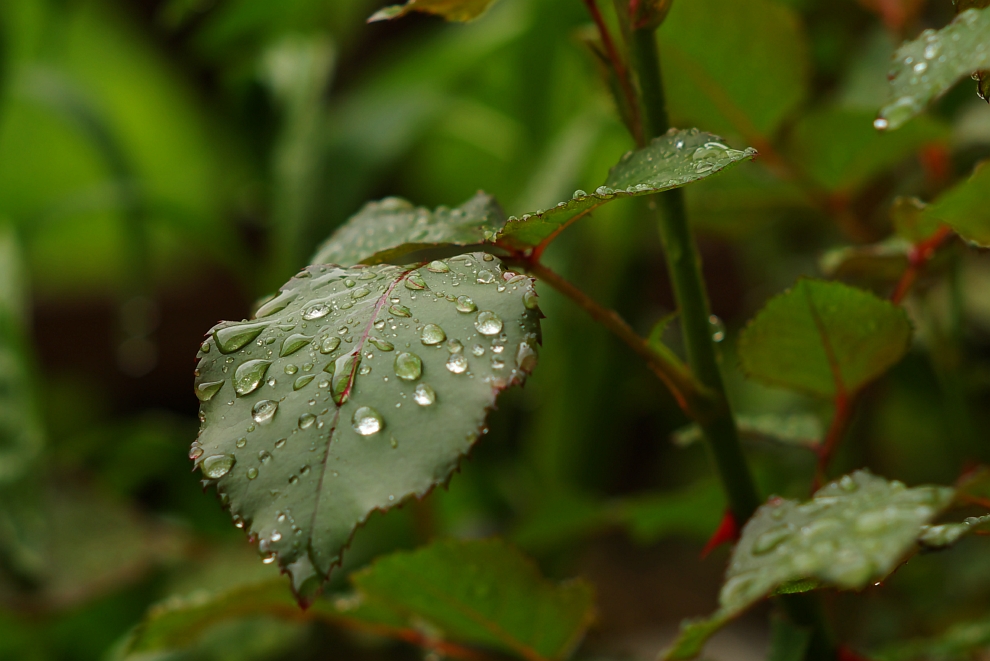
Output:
[[853, 532], [966, 207], [672, 160], [384, 231], [452, 10], [823, 338], [928, 66], [352, 391], [483, 592]]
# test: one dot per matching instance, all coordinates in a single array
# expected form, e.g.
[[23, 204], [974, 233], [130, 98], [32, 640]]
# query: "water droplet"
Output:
[[432, 335], [465, 304], [268, 559], [399, 310], [329, 345], [264, 456], [263, 411], [455, 346], [931, 50], [303, 381], [317, 311], [457, 363], [526, 357], [478, 350], [408, 366], [880, 124], [360, 292], [294, 343], [847, 483], [241, 442], [920, 67], [367, 421], [415, 282], [531, 300], [424, 395], [718, 328], [381, 345], [486, 277], [290, 369], [206, 390], [343, 371], [579, 194], [249, 375], [438, 267], [771, 538], [306, 420], [280, 443], [488, 323], [195, 452], [232, 338], [217, 465], [252, 473]]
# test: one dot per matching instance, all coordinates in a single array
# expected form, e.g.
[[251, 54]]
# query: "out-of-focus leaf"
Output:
[[386, 230], [352, 391], [881, 263], [788, 641], [694, 511], [947, 534], [736, 68], [854, 531], [928, 66], [957, 643], [840, 149], [648, 14], [802, 429], [675, 159], [823, 338], [452, 10], [911, 222], [483, 592], [965, 207]]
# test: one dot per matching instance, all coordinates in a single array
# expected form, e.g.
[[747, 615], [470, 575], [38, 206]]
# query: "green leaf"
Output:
[[352, 391], [823, 338], [694, 511], [788, 641], [880, 263], [483, 592], [452, 10], [675, 159], [931, 64], [841, 151], [965, 207], [801, 429], [947, 534], [911, 222], [648, 14], [958, 643], [853, 532], [386, 230], [735, 67]]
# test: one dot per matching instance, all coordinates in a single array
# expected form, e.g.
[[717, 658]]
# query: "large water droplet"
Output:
[[263, 411], [232, 338], [381, 345], [465, 304], [526, 357], [366, 421], [408, 366], [252, 473], [206, 390], [360, 292], [303, 381], [424, 395], [457, 363], [432, 335], [438, 267], [415, 282], [330, 344], [486, 277], [400, 310], [294, 343], [344, 370], [248, 376], [317, 311], [771, 538], [531, 300], [488, 323], [306, 420], [217, 465]]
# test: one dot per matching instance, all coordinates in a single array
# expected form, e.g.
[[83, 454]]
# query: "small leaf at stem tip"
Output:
[[824, 339], [452, 10], [373, 408], [675, 159], [964, 207], [927, 67], [853, 532]]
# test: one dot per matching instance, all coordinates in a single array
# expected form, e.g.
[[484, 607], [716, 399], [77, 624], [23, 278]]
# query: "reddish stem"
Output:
[[840, 420], [620, 70], [919, 255]]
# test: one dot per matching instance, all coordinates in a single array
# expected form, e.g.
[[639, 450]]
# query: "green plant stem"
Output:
[[684, 266]]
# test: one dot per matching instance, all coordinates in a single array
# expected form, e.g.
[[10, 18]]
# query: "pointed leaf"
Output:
[[675, 159], [965, 207], [823, 338], [854, 531], [931, 64], [483, 592], [947, 534], [386, 230], [352, 391], [452, 10], [880, 263], [802, 429]]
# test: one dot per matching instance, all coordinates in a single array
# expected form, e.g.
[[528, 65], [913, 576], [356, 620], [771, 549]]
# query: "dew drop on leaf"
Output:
[[329, 345], [206, 390], [306, 420], [367, 421], [294, 343], [488, 323], [465, 304], [217, 465], [232, 338], [424, 395], [408, 366], [432, 335], [263, 411], [457, 363], [248, 376]]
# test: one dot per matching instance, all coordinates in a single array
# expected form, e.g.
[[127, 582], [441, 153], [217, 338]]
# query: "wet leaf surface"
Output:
[[352, 391], [927, 67], [822, 338]]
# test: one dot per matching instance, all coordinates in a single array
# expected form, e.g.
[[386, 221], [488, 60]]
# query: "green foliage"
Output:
[[823, 338], [328, 405], [964, 207], [954, 644], [927, 67], [799, 429], [852, 532], [452, 10]]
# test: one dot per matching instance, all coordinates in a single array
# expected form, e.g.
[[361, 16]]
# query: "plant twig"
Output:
[[921, 253]]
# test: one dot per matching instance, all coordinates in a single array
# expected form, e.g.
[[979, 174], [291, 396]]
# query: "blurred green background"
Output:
[[163, 163]]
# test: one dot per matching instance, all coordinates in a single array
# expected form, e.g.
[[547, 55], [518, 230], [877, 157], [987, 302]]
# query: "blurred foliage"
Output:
[[164, 163]]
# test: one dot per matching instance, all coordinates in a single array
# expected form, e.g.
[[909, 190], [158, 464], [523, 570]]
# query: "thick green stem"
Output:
[[684, 266]]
